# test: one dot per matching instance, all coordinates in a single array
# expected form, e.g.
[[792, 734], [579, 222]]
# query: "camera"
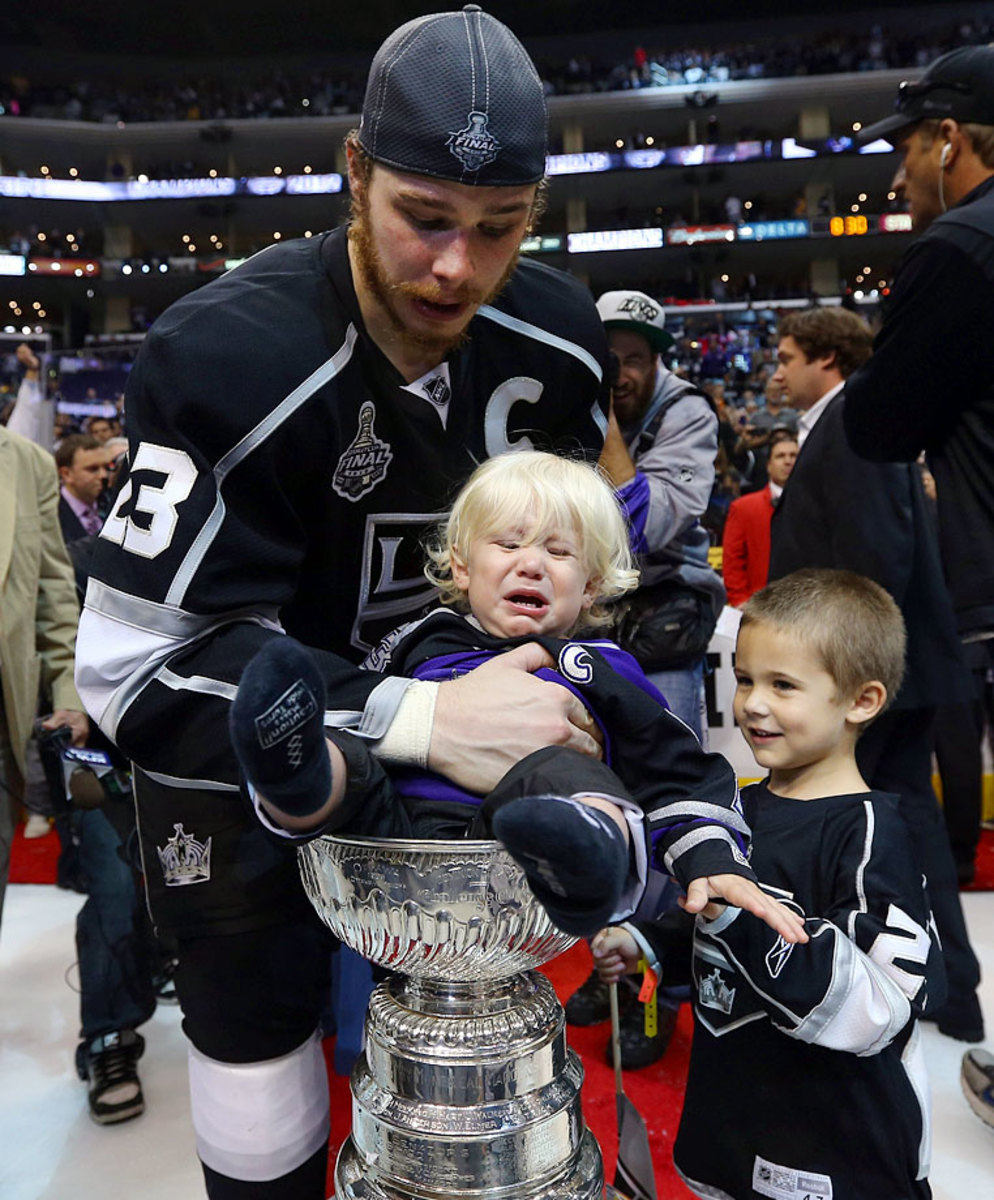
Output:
[[78, 776]]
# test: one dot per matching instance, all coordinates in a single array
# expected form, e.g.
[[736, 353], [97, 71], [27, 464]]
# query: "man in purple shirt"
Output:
[[82, 463]]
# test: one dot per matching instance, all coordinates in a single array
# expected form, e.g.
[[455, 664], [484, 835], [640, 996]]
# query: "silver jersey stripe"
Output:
[[160, 632], [861, 870], [196, 683], [164, 619], [542, 335], [198, 785], [707, 833], [686, 810], [253, 439]]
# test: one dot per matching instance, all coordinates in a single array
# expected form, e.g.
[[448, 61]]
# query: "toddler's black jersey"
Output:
[[807, 1079], [283, 474]]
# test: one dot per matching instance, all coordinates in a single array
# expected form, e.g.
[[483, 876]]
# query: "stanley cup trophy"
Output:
[[466, 1088]]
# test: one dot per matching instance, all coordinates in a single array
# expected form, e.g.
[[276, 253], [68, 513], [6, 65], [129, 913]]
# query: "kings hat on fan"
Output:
[[638, 312]]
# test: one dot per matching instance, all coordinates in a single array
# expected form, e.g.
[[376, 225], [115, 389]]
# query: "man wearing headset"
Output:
[[930, 383]]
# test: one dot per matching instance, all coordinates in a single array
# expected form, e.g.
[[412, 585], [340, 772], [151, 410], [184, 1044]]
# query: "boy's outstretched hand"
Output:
[[742, 893]]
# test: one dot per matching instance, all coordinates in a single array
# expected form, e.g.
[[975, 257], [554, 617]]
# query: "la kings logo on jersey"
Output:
[[365, 460], [475, 145]]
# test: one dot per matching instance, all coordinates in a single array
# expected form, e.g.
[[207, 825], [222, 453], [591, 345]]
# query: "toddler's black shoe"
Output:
[[574, 857]]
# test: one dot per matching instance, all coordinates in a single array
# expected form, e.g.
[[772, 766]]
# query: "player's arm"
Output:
[[193, 566]]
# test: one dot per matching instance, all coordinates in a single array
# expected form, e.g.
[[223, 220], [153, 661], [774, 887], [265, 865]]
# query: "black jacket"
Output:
[[838, 510], [930, 386], [72, 527]]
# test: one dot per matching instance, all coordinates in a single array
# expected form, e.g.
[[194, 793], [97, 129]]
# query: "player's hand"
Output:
[[742, 893], [77, 722], [616, 953], [490, 719]]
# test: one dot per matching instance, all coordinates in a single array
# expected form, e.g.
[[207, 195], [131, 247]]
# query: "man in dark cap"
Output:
[[930, 383], [295, 427]]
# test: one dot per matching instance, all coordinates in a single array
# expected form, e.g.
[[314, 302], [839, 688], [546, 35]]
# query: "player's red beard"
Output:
[[380, 287]]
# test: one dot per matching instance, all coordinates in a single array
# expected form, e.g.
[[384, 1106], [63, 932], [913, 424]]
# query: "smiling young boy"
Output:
[[533, 543], [826, 1032]]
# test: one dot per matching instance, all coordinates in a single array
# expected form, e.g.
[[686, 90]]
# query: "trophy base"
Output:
[[584, 1180]]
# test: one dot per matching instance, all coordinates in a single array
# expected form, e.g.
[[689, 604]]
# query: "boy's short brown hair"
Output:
[[852, 623], [823, 331]]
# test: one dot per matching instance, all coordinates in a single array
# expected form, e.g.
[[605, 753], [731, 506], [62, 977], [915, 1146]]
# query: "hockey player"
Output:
[[294, 428], [533, 544], [826, 1032]]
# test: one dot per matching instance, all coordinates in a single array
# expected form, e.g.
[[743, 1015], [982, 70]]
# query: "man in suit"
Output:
[[82, 462], [746, 540], [38, 616], [838, 510]]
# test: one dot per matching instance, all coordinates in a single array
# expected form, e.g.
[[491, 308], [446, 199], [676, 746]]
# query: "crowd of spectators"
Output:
[[274, 94]]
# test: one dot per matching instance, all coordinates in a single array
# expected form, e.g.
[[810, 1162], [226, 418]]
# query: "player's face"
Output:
[[803, 379], [429, 252], [636, 374], [85, 477], [522, 580], [918, 176], [781, 462], [788, 707]]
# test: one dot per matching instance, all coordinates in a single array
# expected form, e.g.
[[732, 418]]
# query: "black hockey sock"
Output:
[[277, 728], [574, 857]]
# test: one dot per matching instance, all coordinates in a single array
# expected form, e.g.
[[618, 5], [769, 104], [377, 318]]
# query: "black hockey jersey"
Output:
[[283, 474], [807, 1079]]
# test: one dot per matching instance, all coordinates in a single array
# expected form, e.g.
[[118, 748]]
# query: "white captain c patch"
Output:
[[576, 664]]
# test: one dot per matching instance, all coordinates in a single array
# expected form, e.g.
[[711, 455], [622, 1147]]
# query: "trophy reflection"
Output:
[[466, 1087]]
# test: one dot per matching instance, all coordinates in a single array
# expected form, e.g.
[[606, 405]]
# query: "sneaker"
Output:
[[107, 1063], [638, 1049], [977, 1080], [37, 826], [590, 1003]]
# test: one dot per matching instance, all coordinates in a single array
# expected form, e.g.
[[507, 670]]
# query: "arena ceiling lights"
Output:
[[19, 187]]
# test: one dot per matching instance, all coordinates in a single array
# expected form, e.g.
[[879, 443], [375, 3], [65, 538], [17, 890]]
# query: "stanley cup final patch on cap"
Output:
[[296, 706], [474, 145]]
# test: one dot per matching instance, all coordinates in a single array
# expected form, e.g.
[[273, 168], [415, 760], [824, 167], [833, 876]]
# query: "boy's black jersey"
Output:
[[283, 474], [807, 1078]]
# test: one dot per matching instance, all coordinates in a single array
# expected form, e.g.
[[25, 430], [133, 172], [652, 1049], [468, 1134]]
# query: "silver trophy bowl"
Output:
[[466, 1087], [446, 911]]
